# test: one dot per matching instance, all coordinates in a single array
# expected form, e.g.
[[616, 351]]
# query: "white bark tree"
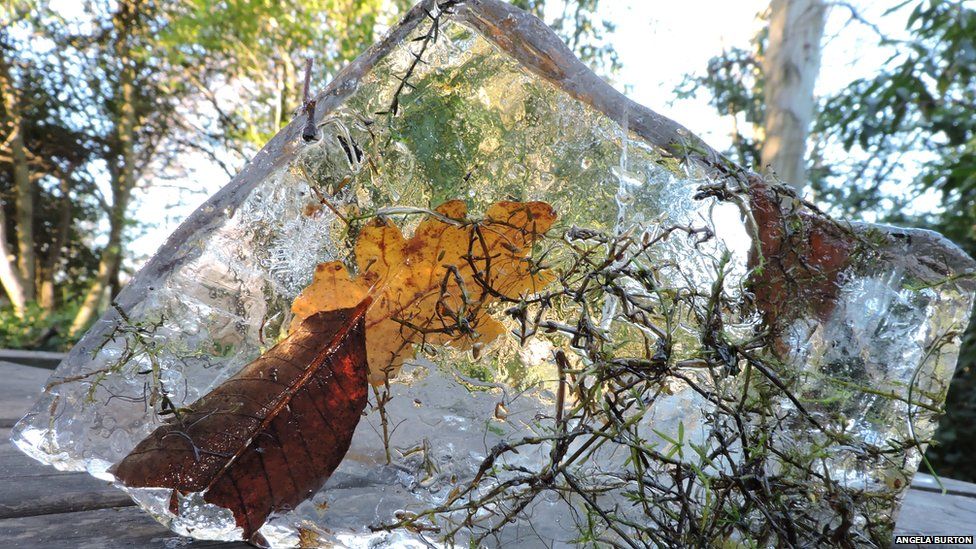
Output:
[[16, 270], [790, 66]]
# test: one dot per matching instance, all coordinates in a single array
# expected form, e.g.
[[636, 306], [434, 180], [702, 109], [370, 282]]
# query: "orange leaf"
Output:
[[435, 287]]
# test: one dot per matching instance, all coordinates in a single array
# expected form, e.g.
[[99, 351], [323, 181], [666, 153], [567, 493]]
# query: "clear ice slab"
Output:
[[710, 362]]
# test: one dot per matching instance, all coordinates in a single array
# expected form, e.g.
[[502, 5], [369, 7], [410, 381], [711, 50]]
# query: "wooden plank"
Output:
[[40, 496], [925, 512], [21, 385], [932, 513], [39, 359], [28, 488], [43, 507], [101, 529], [927, 483]]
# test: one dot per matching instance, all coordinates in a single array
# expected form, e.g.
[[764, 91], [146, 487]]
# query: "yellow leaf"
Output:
[[435, 287]]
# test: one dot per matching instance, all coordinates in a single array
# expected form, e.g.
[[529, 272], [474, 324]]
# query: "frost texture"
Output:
[[476, 126]]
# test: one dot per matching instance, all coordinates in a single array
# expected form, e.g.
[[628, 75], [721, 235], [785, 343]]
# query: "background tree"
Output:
[[40, 268], [17, 276], [790, 67], [135, 97]]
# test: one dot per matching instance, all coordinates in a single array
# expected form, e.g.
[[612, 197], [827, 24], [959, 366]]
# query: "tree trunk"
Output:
[[123, 181], [111, 260], [289, 85], [24, 192], [107, 265], [285, 80], [9, 275], [123, 168], [279, 104], [790, 65], [45, 289], [16, 271]]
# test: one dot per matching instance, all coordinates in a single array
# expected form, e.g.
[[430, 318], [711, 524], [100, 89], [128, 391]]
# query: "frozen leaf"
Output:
[[269, 437], [802, 256], [436, 287]]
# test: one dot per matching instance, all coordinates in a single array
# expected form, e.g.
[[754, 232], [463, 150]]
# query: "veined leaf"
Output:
[[270, 436], [435, 287]]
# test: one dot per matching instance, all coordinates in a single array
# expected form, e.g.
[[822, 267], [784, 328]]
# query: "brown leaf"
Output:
[[270, 436], [803, 255], [435, 287]]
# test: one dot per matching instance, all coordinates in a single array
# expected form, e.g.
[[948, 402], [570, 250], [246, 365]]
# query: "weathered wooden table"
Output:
[[41, 507]]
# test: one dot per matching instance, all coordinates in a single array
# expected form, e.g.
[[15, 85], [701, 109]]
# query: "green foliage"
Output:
[[921, 101], [65, 203], [261, 47], [265, 46], [38, 330], [734, 83]]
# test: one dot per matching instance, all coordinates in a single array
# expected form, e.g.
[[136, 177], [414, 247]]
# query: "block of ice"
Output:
[[705, 366]]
